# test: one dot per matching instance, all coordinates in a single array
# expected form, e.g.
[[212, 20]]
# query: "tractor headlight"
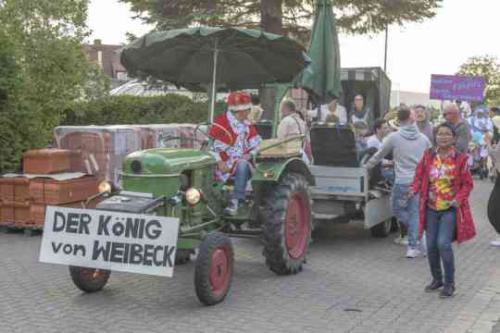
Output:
[[193, 196], [105, 187]]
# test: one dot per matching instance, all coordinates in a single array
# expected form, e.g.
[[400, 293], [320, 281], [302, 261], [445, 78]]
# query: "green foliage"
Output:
[[293, 16], [489, 68], [46, 71], [118, 110], [10, 83]]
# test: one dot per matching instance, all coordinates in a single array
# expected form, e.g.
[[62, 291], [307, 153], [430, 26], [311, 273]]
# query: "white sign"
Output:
[[115, 241]]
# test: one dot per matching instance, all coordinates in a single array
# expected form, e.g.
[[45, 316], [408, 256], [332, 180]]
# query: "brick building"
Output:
[[108, 58]]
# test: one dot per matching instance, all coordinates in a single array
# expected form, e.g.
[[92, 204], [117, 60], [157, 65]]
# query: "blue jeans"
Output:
[[406, 211], [388, 174], [241, 176], [440, 231]]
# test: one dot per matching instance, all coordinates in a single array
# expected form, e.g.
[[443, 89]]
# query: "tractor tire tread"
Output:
[[275, 212], [201, 280]]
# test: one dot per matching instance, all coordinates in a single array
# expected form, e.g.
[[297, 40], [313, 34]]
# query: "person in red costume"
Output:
[[235, 140]]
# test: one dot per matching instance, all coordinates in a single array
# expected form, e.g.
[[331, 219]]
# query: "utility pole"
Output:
[[386, 45]]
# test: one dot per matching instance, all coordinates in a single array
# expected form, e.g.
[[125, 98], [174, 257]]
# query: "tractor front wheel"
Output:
[[89, 280], [183, 256], [287, 224], [214, 268]]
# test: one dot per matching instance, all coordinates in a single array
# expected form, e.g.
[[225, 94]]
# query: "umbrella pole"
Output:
[[214, 84]]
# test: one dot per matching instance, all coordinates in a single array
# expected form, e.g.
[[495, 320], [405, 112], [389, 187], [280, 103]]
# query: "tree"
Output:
[[489, 68], [282, 16], [10, 84], [40, 48]]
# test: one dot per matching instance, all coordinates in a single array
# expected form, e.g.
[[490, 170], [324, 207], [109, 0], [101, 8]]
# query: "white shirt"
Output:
[[373, 141], [290, 126]]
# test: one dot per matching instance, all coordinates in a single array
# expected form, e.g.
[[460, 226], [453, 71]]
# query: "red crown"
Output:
[[238, 101]]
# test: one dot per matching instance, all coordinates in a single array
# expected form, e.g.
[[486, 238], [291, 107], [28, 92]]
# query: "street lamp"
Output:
[[386, 45]]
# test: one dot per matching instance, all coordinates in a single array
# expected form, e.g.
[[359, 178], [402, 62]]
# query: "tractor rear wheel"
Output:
[[89, 280], [382, 229], [287, 224], [214, 268]]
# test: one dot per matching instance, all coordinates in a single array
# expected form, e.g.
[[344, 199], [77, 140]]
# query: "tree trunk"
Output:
[[271, 20], [271, 16]]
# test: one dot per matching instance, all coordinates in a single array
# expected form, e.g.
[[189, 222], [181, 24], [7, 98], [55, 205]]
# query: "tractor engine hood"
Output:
[[165, 161]]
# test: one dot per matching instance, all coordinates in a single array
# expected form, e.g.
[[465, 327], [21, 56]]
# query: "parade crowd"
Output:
[[427, 164]]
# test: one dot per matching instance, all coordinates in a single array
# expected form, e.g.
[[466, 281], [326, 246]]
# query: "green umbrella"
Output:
[[213, 58], [322, 77]]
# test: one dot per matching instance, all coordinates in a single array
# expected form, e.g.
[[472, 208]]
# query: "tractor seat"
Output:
[[264, 129], [334, 145]]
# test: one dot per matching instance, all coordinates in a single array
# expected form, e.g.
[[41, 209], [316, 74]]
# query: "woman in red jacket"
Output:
[[444, 183]]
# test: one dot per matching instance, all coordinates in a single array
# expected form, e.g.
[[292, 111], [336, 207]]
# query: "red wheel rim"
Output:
[[220, 271], [296, 226]]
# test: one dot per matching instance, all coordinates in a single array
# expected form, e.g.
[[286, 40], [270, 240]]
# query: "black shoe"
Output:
[[447, 291], [433, 286]]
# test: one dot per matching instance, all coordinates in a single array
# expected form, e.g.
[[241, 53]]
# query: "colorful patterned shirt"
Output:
[[441, 181]]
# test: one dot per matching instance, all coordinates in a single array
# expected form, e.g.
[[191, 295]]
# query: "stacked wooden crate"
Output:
[[103, 148], [24, 197], [14, 201]]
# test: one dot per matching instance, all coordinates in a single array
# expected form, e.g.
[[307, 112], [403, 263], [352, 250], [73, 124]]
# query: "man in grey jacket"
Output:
[[407, 146]]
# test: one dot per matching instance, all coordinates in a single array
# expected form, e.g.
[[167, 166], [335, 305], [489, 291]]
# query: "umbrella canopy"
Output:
[[245, 58], [322, 77]]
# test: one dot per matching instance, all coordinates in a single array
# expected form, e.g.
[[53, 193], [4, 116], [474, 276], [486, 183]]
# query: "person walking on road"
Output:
[[423, 122], [452, 116], [493, 145], [407, 146], [444, 183]]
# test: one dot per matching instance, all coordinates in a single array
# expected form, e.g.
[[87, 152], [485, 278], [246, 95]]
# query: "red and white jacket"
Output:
[[232, 140]]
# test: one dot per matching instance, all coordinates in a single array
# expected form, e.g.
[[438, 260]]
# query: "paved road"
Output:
[[352, 283]]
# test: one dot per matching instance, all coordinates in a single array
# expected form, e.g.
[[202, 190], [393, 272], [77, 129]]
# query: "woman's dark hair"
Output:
[[446, 125]]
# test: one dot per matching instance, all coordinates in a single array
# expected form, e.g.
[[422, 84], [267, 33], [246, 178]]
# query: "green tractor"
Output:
[[180, 183]]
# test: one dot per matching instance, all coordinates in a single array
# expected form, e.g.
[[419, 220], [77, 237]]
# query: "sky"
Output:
[[461, 29]]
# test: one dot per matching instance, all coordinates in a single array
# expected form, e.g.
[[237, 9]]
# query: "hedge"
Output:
[[124, 109]]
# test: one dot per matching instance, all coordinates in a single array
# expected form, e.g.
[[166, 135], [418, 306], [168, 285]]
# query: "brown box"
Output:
[[14, 189], [46, 161], [53, 192], [14, 214], [37, 213], [102, 148]]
